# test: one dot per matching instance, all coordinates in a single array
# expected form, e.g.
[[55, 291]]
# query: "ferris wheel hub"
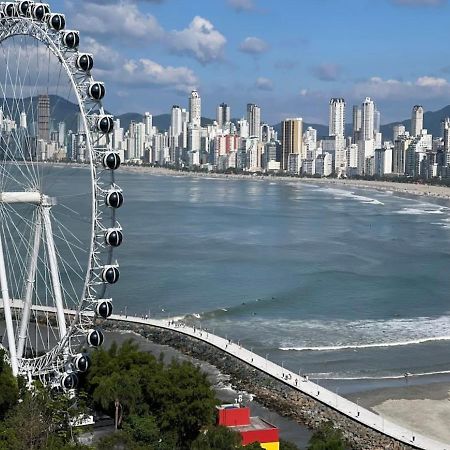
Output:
[[34, 198]]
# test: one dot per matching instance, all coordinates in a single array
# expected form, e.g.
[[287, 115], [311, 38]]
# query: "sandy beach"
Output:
[[423, 408], [440, 192]]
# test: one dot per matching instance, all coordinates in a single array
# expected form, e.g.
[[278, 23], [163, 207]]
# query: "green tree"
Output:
[[39, 421], [142, 429], [285, 445], [185, 401], [178, 396], [326, 438], [9, 390], [218, 438]]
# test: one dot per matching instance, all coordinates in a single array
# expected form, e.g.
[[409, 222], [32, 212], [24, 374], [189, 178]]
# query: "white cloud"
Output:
[[105, 58], [264, 84], [242, 5], [253, 45], [200, 40], [432, 82], [124, 20], [147, 72], [391, 89]]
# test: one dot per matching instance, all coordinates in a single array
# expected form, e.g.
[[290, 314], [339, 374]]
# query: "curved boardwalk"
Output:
[[301, 384], [291, 379]]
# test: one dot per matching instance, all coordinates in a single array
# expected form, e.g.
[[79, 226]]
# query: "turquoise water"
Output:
[[337, 283]]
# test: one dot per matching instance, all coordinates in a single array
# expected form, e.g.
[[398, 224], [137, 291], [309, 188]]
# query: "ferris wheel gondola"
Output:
[[53, 275]]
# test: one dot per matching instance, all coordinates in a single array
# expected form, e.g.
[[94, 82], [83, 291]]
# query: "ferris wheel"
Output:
[[58, 197]]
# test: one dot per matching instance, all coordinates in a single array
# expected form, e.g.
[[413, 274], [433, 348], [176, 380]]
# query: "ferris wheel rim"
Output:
[[82, 323]]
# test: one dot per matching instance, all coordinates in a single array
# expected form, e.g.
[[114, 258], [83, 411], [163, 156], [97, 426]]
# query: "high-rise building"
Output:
[[417, 121], [195, 109], [176, 121], [356, 122], [376, 121], [254, 120], [223, 115], [23, 120], [62, 134], [44, 118], [445, 124], [148, 123], [243, 128], [292, 140], [185, 121], [399, 130], [337, 117], [367, 119], [337, 132]]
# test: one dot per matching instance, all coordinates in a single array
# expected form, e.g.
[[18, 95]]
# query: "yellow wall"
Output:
[[271, 446]]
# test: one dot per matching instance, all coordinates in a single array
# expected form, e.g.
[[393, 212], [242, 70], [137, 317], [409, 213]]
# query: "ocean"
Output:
[[348, 286]]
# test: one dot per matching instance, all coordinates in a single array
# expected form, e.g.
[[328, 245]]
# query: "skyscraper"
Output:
[[417, 121], [176, 123], [195, 109], [44, 117], [292, 140], [367, 119], [337, 117], [399, 130], [254, 120], [356, 122], [223, 114], [23, 120], [148, 122], [376, 121]]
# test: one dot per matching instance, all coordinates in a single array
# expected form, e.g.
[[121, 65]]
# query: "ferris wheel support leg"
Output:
[[28, 298], [54, 272], [8, 316]]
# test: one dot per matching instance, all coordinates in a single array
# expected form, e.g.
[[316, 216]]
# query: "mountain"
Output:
[[431, 121], [62, 110], [161, 121]]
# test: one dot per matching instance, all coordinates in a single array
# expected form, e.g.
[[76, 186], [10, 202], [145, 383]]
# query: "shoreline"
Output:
[[420, 190], [270, 393], [424, 408], [290, 430]]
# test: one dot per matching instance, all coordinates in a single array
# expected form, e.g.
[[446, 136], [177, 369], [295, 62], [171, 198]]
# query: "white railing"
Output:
[[302, 384]]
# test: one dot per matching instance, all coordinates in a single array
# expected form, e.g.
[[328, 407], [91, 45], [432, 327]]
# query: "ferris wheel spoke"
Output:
[[14, 100], [12, 252], [56, 253], [30, 285], [7, 312]]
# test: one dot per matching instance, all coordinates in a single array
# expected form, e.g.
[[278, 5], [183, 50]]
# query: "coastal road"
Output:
[[291, 379]]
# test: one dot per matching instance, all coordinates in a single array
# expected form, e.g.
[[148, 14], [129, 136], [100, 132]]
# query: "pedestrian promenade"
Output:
[[291, 379]]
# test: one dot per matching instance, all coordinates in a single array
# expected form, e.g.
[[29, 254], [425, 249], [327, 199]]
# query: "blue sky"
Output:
[[289, 56]]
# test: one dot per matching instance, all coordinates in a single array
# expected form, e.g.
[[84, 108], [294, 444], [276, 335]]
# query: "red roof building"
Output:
[[252, 429]]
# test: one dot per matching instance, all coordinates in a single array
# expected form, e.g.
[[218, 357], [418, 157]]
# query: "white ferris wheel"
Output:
[[58, 197]]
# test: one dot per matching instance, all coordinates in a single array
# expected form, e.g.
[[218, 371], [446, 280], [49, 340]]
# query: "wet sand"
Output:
[[441, 192], [423, 408]]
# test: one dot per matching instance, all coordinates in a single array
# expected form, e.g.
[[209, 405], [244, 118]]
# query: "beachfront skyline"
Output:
[[289, 58]]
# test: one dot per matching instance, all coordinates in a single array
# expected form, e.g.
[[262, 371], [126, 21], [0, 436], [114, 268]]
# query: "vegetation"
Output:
[[177, 398], [326, 438], [158, 407], [285, 445], [9, 390], [40, 421]]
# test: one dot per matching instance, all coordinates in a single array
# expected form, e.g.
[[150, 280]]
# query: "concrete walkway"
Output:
[[299, 383], [291, 379]]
